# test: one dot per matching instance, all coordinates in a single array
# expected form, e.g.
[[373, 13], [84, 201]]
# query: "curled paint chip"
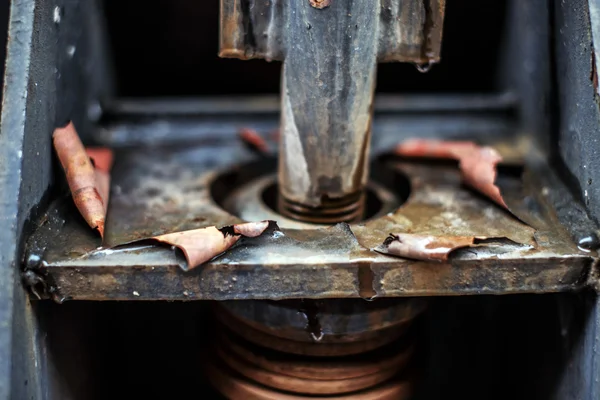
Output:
[[424, 247], [478, 164], [202, 245], [89, 185]]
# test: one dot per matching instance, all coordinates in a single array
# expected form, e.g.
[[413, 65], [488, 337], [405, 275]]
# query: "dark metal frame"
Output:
[[158, 195], [39, 81]]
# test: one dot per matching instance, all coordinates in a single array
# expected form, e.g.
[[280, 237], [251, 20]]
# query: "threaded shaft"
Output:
[[347, 209]]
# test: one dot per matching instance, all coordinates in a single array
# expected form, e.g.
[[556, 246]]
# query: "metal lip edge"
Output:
[[174, 284], [221, 128], [126, 291], [381, 262], [270, 104], [326, 295]]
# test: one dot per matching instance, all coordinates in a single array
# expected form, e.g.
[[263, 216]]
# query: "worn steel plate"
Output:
[[168, 189]]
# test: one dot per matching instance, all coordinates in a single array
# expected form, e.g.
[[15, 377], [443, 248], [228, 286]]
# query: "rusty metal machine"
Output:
[[320, 304]]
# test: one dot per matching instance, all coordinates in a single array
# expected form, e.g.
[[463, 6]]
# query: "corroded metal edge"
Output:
[[320, 263], [409, 31], [347, 280]]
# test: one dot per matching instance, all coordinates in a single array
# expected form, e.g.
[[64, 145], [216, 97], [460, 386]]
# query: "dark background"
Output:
[[169, 48]]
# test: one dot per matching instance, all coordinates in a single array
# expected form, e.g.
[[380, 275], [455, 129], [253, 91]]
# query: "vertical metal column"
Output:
[[330, 50], [327, 95]]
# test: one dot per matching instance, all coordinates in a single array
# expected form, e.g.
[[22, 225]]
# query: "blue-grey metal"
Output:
[[579, 319], [22, 185], [525, 64], [51, 54], [578, 118], [575, 25], [550, 65]]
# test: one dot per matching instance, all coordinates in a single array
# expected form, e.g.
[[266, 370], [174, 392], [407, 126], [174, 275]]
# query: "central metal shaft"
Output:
[[330, 50], [327, 95]]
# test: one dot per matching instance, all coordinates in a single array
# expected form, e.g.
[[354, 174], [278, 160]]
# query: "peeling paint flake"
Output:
[[87, 173], [202, 245], [478, 165], [254, 141], [424, 247]]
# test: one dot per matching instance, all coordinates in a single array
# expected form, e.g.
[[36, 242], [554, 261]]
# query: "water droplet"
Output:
[[56, 15], [424, 67], [588, 242]]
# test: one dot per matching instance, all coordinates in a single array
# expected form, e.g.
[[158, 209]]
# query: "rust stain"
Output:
[[231, 34], [365, 282], [594, 73], [320, 4]]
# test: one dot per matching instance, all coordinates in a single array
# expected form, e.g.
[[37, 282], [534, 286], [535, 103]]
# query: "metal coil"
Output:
[[255, 356]]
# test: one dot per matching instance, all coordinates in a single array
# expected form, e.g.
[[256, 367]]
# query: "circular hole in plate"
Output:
[[249, 191]]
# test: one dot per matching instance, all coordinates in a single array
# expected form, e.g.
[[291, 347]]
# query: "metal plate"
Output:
[[163, 190]]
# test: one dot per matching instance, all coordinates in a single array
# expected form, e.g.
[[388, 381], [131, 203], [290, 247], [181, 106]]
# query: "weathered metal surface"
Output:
[[577, 112], [216, 119], [328, 84], [248, 202], [316, 263], [29, 107], [411, 31], [252, 29], [331, 53], [407, 31], [168, 191], [594, 10], [139, 108]]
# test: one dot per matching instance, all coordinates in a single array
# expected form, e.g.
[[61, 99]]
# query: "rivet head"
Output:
[[33, 261]]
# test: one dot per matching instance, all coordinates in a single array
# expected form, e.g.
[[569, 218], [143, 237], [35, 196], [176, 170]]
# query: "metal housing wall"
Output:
[[42, 71]]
